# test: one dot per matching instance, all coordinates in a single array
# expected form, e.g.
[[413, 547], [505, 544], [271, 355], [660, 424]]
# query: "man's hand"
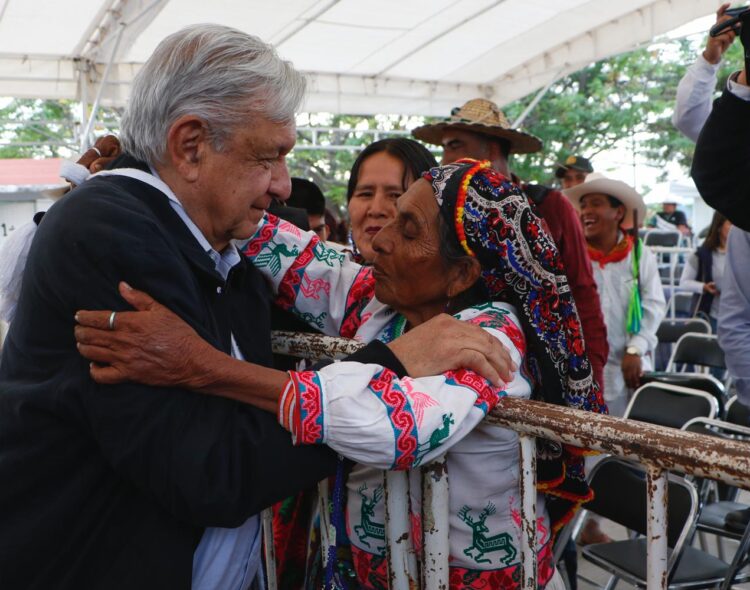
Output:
[[151, 345], [445, 343], [710, 288], [716, 46], [631, 370]]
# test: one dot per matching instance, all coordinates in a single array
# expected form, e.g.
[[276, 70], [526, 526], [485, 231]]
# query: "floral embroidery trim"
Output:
[[301, 408]]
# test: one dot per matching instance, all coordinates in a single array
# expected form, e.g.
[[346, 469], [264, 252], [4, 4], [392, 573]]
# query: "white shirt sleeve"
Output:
[[654, 304], [320, 285], [370, 415], [694, 97], [688, 280]]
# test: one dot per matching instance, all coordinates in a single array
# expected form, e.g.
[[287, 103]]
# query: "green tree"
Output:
[[626, 98], [31, 128], [39, 128]]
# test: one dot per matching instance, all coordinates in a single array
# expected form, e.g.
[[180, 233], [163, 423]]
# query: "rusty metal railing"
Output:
[[659, 448]]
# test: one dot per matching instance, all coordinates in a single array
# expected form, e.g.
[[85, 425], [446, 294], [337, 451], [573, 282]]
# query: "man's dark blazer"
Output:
[[112, 486], [721, 165]]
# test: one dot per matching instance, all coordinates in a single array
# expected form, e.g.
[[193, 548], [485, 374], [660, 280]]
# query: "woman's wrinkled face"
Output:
[[409, 271], [373, 202]]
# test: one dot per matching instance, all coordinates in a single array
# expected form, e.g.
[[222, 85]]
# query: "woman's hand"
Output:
[[444, 343], [151, 345]]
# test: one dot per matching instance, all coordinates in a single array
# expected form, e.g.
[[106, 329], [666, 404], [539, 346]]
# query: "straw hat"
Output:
[[599, 183], [480, 116]]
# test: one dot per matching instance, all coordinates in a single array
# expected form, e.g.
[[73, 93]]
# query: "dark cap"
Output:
[[574, 163]]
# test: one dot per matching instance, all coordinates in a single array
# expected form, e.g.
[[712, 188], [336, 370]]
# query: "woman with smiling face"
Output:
[[464, 240], [380, 175]]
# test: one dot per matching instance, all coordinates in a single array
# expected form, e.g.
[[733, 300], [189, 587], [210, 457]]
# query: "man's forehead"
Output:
[[457, 134], [270, 134]]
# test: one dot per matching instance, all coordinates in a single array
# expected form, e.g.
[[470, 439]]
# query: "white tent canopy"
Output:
[[362, 56]]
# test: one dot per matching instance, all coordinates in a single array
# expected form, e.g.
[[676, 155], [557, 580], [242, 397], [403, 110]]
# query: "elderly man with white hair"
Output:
[[132, 486]]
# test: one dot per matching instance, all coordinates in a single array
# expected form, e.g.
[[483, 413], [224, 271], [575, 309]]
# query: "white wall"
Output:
[[14, 214]]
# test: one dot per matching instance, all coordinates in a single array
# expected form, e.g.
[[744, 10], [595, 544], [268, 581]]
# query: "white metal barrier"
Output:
[[659, 448]]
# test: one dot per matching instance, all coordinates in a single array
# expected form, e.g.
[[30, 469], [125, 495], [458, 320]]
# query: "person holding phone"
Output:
[[695, 92]]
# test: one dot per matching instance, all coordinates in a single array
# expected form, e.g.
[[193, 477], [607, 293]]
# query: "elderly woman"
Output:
[[464, 241]]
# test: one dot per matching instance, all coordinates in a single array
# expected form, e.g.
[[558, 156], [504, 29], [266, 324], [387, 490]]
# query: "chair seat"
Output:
[[712, 517], [696, 568]]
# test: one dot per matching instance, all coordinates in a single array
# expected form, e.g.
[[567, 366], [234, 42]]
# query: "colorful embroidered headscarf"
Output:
[[495, 223]]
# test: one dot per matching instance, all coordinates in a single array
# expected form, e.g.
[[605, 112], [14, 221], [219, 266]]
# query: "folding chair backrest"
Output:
[[620, 495], [670, 330], [697, 349], [719, 428], [737, 413], [680, 304], [670, 405], [700, 381], [662, 238]]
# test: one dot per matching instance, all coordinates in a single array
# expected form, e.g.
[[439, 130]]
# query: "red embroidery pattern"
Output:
[[504, 325], [265, 235], [487, 395], [308, 411], [287, 227], [290, 284], [400, 415], [360, 294]]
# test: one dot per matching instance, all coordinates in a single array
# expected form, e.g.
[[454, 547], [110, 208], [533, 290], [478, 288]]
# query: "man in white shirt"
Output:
[[623, 268], [696, 89]]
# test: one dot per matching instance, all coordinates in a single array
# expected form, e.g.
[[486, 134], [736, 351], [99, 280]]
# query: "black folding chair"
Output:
[[670, 330], [737, 413], [680, 305], [699, 350], [712, 517], [700, 381], [670, 405], [665, 238], [620, 490]]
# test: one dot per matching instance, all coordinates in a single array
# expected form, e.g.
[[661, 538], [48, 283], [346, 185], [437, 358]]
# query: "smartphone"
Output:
[[736, 11], [733, 23]]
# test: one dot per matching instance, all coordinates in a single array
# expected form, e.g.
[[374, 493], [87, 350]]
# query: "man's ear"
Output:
[[622, 213], [463, 275], [187, 142]]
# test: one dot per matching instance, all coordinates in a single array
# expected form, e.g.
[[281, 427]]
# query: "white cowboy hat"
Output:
[[480, 116], [623, 192]]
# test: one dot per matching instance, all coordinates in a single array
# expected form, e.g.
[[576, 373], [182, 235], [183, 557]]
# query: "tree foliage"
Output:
[[39, 128], [624, 100]]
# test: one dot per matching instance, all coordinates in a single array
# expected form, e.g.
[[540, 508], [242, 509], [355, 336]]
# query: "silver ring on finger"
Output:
[[112, 320]]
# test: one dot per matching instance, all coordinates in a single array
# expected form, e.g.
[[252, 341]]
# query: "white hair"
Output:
[[219, 74]]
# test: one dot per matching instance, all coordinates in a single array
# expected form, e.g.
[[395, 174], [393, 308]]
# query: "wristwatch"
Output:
[[633, 350]]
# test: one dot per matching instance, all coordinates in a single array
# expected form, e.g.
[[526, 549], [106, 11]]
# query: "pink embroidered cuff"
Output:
[[301, 408]]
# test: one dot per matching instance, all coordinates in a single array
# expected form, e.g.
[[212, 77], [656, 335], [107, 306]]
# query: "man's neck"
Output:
[[184, 192], [606, 243], [501, 165]]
